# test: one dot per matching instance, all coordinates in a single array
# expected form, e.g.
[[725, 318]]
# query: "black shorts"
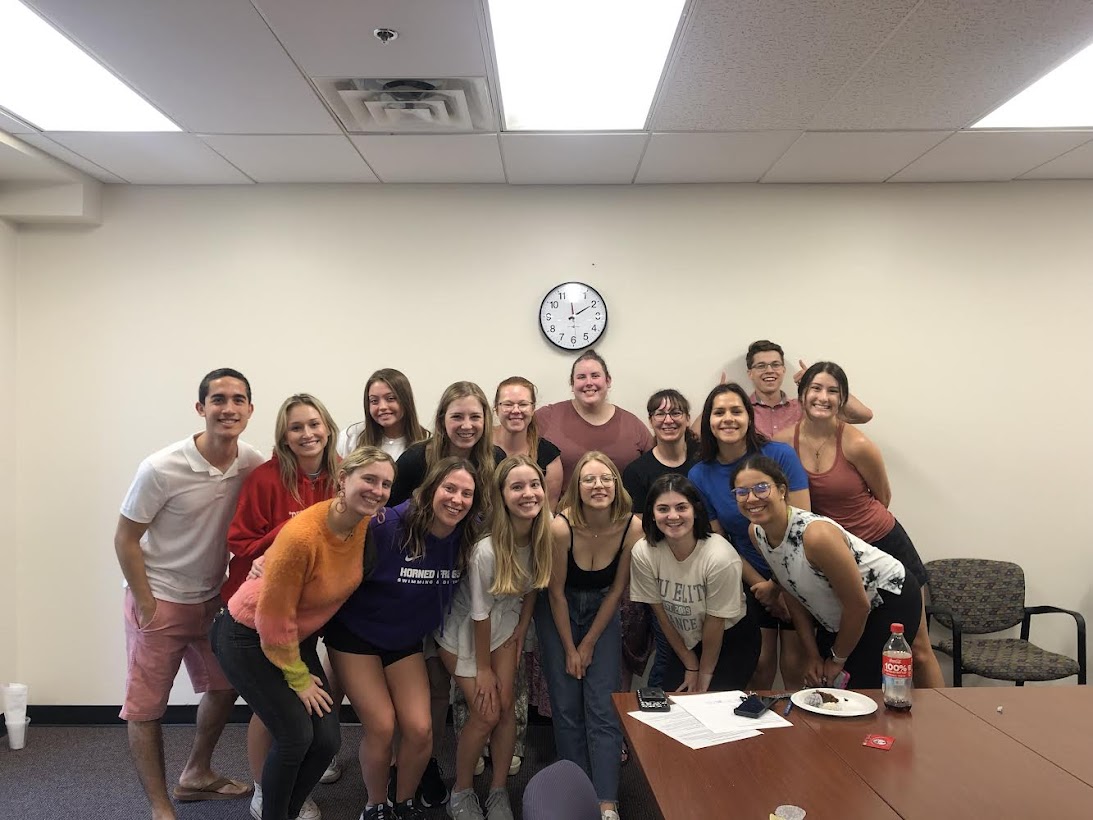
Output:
[[340, 638], [759, 613], [897, 543]]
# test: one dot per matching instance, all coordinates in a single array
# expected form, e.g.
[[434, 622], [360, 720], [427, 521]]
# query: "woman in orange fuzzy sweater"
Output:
[[265, 638]]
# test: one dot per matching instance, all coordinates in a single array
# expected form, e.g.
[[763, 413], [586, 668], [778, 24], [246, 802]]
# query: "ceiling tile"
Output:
[[737, 157], [153, 159], [13, 125], [752, 65], [433, 158], [571, 159], [44, 143], [293, 157], [211, 65], [333, 38], [832, 156], [1076, 164], [971, 156], [953, 61]]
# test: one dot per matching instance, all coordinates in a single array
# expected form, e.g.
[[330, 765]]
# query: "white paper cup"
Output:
[[17, 734]]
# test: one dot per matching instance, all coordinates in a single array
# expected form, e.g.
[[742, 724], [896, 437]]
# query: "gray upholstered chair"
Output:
[[561, 791], [975, 597]]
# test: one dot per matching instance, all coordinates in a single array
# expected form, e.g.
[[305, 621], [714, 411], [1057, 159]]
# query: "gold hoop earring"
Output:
[[339, 502], [380, 517]]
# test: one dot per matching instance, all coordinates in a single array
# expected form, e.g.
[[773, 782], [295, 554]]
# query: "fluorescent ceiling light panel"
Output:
[[1061, 99], [50, 82], [580, 65]]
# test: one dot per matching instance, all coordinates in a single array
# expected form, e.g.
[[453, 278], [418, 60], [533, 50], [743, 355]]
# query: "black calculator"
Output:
[[653, 699]]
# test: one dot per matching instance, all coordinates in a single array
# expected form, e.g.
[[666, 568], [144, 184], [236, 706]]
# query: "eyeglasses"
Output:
[[764, 366], [674, 415], [761, 490], [509, 406], [593, 480]]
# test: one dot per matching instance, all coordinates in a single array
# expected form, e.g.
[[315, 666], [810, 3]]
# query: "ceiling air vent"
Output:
[[410, 106]]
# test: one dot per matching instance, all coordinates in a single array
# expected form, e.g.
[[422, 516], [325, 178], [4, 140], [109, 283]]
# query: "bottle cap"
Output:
[[897, 629]]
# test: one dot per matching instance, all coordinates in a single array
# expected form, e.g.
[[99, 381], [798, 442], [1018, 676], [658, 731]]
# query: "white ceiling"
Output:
[[754, 91]]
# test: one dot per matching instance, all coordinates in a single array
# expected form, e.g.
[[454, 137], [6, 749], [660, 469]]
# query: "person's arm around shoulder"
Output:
[[131, 560], [866, 457], [826, 549]]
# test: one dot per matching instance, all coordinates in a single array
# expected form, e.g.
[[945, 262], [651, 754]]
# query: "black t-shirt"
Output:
[[546, 453], [640, 474], [410, 471]]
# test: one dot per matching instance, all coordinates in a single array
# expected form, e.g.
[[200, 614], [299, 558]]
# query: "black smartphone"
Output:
[[753, 706], [653, 699]]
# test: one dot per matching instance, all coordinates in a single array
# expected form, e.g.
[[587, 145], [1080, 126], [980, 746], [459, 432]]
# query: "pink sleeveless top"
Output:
[[842, 495]]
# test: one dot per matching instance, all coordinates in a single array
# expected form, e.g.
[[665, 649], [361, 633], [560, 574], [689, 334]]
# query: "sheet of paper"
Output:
[[680, 725], [714, 710]]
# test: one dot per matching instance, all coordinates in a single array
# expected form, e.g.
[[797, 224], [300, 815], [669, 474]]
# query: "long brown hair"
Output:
[[372, 434], [440, 446], [420, 515]]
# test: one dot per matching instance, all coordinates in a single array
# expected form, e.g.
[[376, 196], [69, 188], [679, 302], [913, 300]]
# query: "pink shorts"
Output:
[[176, 633]]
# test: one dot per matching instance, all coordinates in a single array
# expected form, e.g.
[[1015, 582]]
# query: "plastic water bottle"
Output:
[[896, 671]]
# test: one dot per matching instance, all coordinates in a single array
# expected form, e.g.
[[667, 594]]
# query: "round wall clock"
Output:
[[573, 316]]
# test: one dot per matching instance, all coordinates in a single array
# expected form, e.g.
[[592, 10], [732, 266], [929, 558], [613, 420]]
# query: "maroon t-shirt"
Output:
[[622, 439]]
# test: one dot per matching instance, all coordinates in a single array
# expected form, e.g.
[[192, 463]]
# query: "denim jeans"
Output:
[[303, 744], [662, 651], [586, 729]]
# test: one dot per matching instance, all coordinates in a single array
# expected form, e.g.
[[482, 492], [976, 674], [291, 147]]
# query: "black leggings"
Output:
[[303, 744], [739, 654], [864, 663]]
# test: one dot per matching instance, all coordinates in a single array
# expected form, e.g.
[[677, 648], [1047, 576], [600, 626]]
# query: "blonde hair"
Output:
[[571, 502], [532, 431], [286, 459], [509, 577], [372, 433], [364, 456]]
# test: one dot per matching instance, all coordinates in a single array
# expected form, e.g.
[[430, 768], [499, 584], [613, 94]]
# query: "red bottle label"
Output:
[[896, 667]]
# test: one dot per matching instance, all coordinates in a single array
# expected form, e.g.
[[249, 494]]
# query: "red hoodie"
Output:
[[264, 507]]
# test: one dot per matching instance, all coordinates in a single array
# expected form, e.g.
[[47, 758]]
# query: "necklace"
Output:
[[315, 474]]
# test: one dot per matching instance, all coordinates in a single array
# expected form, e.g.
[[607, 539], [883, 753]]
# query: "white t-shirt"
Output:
[[187, 504], [347, 440], [707, 582], [473, 601]]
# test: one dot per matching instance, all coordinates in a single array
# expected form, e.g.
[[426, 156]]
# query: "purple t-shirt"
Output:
[[402, 599]]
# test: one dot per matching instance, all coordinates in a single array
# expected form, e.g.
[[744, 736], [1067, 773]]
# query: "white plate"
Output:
[[854, 704]]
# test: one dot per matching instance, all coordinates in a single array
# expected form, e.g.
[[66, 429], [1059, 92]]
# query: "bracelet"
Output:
[[689, 669], [836, 658]]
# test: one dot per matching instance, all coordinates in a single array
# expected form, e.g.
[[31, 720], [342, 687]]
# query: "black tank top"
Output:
[[591, 578]]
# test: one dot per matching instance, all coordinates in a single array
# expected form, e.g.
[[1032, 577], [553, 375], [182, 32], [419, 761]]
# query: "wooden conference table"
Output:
[[954, 756]]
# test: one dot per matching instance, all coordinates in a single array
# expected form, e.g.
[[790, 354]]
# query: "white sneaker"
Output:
[[308, 811], [480, 766], [514, 766], [333, 772], [609, 814]]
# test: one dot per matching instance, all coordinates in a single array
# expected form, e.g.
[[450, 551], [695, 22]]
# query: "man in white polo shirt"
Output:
[[171, 542]]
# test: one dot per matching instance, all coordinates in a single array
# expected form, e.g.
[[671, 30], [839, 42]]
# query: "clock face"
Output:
[[573, 316]]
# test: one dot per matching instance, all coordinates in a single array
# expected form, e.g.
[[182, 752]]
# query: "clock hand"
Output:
[[582, 310]]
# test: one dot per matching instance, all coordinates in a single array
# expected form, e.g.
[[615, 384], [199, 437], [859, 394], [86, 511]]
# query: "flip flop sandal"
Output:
[[211, 791]]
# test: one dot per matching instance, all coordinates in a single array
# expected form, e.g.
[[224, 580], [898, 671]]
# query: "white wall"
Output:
[[9, 632], [959, 311]]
